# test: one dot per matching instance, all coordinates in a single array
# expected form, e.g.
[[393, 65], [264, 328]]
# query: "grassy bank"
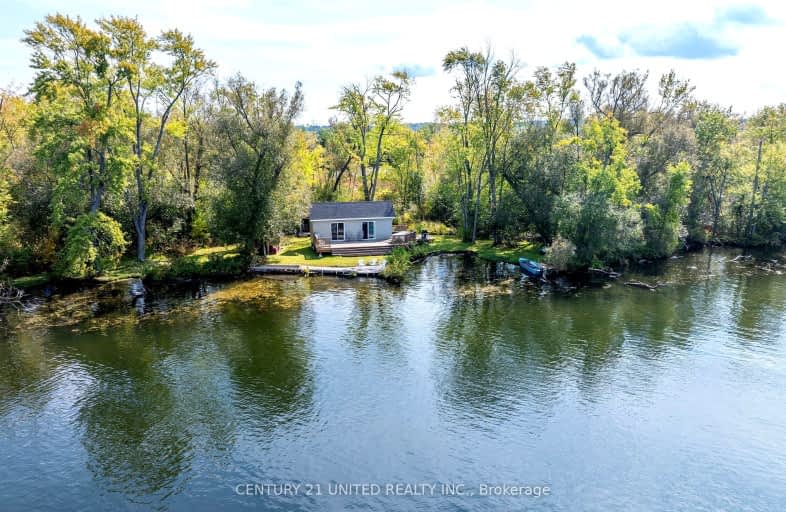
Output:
[[401, 260], [203, 262], [226, 260], [482, 248]]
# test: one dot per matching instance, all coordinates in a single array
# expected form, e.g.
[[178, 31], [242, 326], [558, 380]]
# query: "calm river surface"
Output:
[[616, 398]]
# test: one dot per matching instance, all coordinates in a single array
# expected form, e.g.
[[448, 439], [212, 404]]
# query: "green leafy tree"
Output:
[[663, 220], [256, 127], [715, 131], [371, 111], [600, 216], [81, 130], [146, 81], [93, 244], [545, 149]]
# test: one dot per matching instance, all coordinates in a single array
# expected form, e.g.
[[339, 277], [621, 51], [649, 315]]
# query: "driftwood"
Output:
[[742, 257], [9, 294], [605, 273], [639, 284]]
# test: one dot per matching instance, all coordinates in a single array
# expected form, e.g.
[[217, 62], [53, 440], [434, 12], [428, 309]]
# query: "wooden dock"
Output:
[[313, 270]]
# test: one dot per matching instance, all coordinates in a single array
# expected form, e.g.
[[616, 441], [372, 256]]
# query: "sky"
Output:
[[730, 50]]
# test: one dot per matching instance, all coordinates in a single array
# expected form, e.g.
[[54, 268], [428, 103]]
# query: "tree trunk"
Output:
[[341, 173], [493, 202], [366, 191], [377, 163], [95, 200], [140, 221], [751, 228], [477, 208]]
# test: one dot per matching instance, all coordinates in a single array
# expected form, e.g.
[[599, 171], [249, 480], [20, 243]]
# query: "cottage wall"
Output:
[[353, 229]]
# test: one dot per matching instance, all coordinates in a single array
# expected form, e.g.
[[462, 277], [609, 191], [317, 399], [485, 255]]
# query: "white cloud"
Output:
[[327, 44]]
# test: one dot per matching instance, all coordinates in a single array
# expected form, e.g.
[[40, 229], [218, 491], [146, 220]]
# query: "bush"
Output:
[[93, 244], [560, 253], [434, 228], [190, 267], [398, 263]]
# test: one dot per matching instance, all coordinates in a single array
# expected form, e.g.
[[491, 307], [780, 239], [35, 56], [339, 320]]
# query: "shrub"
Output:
[[93, 244], [398, 262], [434, 228], [560, 253]]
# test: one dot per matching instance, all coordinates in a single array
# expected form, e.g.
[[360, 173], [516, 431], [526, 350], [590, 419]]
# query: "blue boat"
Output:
[[532, 268]]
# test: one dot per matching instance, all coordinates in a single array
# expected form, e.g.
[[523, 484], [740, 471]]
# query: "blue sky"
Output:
[[727, 48]]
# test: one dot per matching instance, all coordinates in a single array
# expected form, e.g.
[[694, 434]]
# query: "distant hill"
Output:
[[317, 127]]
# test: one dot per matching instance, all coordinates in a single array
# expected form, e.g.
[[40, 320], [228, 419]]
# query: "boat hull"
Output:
[[530, 267]]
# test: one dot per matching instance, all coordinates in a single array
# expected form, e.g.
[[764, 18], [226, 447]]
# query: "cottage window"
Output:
[[337, 231]]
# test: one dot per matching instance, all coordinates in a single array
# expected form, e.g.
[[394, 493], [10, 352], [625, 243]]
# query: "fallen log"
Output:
[[606, 273], [639, 284], [742, 257]]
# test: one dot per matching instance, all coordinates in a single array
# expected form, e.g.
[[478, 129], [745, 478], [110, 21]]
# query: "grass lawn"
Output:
[[29, 281], [129, 267], [485, 249], [298, 251]]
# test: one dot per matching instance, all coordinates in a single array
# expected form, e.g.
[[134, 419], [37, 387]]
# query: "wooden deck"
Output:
[[363, 247]]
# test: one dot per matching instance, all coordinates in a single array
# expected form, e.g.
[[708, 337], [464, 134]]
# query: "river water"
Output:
[[334, 394]]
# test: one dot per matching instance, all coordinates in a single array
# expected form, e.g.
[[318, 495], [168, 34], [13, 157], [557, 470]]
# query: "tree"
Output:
[[405, 158], [468, 67], [80, 128], [623, 97], [498, 101], [766, 131], [256, 126], [663, 219], [715, 130], [600, 216], [545, 149], [338, 143], [390, 94], [146, 80], [371, 110]]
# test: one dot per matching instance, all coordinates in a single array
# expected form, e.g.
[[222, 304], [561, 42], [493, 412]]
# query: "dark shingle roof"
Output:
[[351, 210]]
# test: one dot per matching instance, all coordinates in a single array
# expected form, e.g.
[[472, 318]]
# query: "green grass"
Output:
[[298, 251], [30, 281], [484, 249], [156, 265], [295, 251]]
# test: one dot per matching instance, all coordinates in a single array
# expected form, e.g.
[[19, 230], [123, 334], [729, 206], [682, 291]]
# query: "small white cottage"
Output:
[[357, 227]]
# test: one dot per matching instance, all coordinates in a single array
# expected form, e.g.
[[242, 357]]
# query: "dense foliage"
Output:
[[127, 136]]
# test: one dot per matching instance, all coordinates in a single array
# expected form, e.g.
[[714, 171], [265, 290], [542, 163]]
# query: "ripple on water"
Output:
[[618, 398]]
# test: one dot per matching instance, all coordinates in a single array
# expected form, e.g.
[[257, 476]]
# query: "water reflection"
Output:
[[467, 372]]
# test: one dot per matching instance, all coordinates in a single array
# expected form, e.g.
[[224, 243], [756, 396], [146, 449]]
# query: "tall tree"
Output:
[[468, 68], [357, 104], [390, 95], [623, 97], [546, 148], [148, 81], [81, 130], [715, 130], [256, 126], [371, 111]]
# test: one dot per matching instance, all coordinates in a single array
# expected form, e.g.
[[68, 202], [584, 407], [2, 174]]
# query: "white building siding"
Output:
[[353, 229]]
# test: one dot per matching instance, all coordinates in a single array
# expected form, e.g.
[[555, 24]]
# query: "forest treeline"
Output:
[[126, 143]]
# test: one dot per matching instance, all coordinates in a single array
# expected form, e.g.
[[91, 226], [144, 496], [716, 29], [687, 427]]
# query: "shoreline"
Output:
[[492, 254]]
